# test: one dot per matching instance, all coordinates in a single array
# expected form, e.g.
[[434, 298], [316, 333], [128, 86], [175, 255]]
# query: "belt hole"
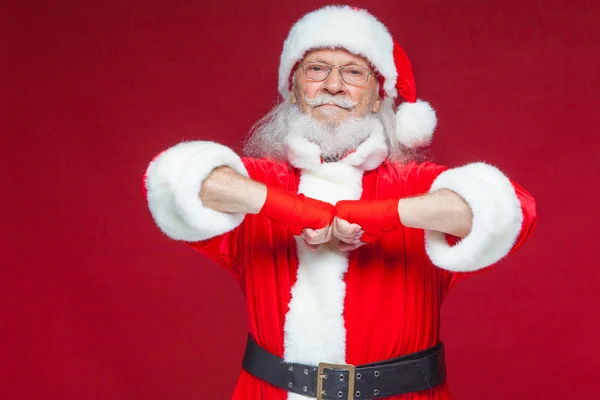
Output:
[[340, 393], [375, 392], [376, 374], [358, 393], [291, 368], [304, 389], [290, 385], [358, 375], [341, 377], [305, 371]]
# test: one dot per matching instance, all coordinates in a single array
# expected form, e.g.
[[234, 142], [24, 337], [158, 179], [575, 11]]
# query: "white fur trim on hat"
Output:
[[497, 218], [415, 123], [173, 182], [340, 26]]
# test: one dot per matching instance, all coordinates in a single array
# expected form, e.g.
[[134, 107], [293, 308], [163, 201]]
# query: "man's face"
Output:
[[305, 90]]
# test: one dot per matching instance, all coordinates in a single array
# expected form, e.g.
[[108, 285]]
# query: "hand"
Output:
[[348, 234], [314, 238], [374, 217], [296, 211]]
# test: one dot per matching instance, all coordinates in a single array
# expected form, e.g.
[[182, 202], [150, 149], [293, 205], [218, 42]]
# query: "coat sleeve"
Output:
[[172, 185], [504, 216]]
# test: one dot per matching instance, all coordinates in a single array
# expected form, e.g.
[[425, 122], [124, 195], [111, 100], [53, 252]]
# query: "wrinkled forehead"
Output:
[[337, 56]]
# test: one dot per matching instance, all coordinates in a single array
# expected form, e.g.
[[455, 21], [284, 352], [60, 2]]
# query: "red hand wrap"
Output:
[[374, 217], [297, 211]]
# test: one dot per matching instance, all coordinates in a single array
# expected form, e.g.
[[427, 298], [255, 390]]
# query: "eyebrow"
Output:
[[319, 60]]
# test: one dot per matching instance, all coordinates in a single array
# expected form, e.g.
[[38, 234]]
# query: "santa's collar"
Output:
[[306, 155]]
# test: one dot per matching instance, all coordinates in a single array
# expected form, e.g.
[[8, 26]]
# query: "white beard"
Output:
[[267, 137], [336, 139]]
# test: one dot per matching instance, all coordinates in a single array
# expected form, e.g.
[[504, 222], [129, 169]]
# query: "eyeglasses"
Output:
[[351, 74]]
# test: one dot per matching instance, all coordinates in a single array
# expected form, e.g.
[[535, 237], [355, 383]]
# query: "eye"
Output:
[[357, 71], [315, 67]]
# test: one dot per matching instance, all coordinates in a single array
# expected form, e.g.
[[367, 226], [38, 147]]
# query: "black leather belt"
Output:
[[410, 373]]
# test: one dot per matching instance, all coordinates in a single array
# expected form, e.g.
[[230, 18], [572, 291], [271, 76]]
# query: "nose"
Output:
[[334, 83]]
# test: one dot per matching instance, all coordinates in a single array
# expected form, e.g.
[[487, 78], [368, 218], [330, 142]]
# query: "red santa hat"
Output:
[[361, 33]]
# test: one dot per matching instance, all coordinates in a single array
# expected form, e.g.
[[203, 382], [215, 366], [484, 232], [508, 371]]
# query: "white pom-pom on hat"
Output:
[[359, 32], [415, 123]]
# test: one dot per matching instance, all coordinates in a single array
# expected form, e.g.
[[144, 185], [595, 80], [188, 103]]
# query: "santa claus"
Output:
[[343, 245]]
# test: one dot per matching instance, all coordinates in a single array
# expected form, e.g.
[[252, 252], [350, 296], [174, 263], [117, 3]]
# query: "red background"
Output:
[[96, 304]]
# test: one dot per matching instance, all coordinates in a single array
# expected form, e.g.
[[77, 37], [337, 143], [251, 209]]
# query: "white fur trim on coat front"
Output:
[[497, 218], [173, 182], [314, 328], [340, 26]]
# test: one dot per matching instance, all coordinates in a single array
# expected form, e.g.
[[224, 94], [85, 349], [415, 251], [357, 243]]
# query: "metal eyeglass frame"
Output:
[[341, 68]]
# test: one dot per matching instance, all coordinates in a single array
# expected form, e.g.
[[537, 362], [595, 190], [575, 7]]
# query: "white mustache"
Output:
[[328, 99]]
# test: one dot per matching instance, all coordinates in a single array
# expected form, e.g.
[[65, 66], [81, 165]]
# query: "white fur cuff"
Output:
[[497, 218], [173, 182]]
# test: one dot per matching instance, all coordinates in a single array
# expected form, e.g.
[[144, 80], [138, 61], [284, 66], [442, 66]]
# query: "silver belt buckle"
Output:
[[344, 367]]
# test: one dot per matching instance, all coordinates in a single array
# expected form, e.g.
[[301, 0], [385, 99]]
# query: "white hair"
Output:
[[267, 136]]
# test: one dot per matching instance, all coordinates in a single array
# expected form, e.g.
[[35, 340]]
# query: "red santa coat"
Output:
[[378, 302]]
